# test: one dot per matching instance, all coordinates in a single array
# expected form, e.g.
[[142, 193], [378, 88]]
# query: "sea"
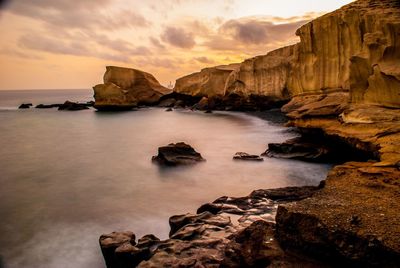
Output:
[[66, 177]]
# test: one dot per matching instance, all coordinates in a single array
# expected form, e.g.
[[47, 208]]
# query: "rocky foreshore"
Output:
[[341, 89]]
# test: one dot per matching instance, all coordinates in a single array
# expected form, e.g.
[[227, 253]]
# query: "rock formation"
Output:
[[177, 154], [211, 238], [126, 88]]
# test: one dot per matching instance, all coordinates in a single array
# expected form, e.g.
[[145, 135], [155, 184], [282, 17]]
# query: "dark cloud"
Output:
[[204, 60], [19, 54], [178, 37], [255, 31], [88, 14], [155, 42], [254, 35], [83, 45]]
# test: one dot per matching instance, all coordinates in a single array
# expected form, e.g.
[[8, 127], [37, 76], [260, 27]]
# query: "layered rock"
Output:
[[355, 48], [125, 88], [265, 75]]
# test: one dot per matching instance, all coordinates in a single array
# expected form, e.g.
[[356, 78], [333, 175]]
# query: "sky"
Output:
[[65, 44]]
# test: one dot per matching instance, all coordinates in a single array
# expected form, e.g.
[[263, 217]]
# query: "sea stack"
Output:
[[125, 88]]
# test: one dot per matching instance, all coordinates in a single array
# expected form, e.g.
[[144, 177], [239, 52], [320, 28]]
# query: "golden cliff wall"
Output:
[[355, 48], [206, 83], [265, 75]]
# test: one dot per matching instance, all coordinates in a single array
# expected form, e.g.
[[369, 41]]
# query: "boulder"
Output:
[[125, 88], [25, 106], [247, 157], [177, 154]]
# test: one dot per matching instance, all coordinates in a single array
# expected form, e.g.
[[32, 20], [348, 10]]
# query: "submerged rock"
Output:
[[48, 106], [246, 156], [73, 106], [177, 154], [25, 106]]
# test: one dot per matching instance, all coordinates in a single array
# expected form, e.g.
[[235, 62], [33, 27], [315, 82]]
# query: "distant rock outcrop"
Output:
[[206, 83], [126, 88]]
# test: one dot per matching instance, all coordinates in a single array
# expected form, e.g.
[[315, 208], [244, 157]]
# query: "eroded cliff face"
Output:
[[265, 75], [125, 88], [206, 83], [355, 48]]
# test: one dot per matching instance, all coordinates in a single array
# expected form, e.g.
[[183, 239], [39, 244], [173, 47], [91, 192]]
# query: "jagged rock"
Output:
[[177, 154], [247, 157], [25, 106], [73, 106], [109, 243], [126, 88], [349, 219], [178, 221], [208, 240]]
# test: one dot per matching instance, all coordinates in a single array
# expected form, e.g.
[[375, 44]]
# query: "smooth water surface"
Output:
[[67, 177]]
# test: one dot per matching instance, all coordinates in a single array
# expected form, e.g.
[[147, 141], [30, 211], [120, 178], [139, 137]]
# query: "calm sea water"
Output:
[[67, 177]]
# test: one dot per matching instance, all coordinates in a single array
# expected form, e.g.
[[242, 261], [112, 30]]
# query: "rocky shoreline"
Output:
[[340, 87]]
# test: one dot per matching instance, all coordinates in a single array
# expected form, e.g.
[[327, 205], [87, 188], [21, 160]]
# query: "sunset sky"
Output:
[[65, 44]]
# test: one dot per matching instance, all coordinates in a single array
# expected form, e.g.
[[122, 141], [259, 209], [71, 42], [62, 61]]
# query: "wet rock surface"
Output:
[[177, 154], [247, 157], [244, 238]]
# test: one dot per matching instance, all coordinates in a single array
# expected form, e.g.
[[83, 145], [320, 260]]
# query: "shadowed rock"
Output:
[[25, 106], [247, 157], [72, 106], [47, 106], [177, 154]]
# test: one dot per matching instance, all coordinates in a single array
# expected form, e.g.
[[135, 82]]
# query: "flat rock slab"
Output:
[[177, 154], [354, 218], [247, 157]]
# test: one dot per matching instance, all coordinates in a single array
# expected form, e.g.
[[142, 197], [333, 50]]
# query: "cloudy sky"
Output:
[[66, 44]]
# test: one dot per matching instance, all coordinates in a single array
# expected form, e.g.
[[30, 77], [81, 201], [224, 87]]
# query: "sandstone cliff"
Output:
[[265, 75], [355, 48], [125, 88], [206, 83]]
